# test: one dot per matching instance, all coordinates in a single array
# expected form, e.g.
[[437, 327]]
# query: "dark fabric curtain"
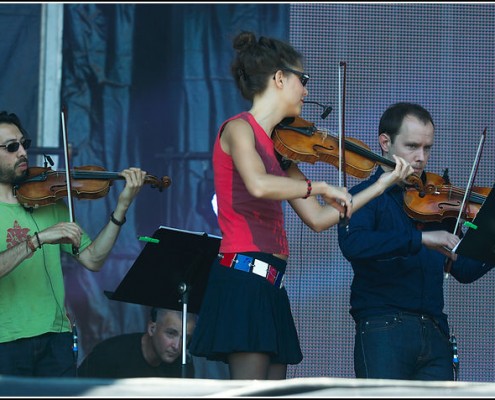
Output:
[[182, 91], [97, 76], [148, 85], [20, 62]]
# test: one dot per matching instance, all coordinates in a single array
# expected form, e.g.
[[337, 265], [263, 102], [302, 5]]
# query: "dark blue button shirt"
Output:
[[393, 271]]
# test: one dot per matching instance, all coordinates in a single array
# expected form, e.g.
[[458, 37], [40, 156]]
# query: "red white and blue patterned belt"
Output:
[[246, 263]]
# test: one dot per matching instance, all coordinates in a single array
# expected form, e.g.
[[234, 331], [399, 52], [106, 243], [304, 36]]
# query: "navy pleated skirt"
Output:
[[243, 312]]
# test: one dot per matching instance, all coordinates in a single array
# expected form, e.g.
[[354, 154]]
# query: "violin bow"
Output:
[[467, 195], [68, 178], [344, 221]]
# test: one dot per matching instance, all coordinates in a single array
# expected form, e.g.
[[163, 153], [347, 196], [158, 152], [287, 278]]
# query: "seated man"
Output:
[[156, 353]]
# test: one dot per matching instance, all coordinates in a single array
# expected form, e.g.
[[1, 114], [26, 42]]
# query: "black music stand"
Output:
[[479, 243], [171, 273]]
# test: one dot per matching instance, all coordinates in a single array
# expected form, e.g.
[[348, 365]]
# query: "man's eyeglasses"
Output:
[[303, 77], [14, 146]]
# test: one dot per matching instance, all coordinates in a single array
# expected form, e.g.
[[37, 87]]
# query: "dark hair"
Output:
[[392, 118], [11, 118], [256, 60]]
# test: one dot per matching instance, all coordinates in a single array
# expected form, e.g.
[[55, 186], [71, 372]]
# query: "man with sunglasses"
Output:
[[35, 333]]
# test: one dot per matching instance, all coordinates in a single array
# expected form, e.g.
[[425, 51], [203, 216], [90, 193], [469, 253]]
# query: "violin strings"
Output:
[[475, 197]]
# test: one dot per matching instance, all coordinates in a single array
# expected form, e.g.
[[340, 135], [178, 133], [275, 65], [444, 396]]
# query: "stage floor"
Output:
[[297, 387]]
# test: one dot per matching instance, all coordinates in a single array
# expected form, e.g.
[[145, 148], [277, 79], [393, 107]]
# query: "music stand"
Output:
[[479, 243], [170, 273]]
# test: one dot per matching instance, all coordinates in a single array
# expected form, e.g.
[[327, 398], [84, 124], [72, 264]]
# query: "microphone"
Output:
[[326, 109], [48, 160], [343, 220]]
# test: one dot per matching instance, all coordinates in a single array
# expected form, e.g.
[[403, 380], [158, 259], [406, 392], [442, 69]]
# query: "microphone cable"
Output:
[[326, 109]]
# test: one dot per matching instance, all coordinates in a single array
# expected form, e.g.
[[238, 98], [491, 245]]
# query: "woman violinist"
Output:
[[36, 338], [245, 318]]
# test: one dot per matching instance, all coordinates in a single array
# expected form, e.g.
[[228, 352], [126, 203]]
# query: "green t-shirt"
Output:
[[32, 295]]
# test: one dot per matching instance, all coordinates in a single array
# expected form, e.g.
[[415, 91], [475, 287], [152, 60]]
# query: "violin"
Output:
[[44, 186], [299, 140], [440, 200]]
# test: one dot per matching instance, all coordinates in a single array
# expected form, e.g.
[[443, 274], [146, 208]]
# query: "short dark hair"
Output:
[[392, 118], [12, 119]]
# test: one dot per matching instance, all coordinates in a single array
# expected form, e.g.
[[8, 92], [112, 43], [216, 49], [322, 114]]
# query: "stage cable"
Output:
[[61, 310], [455, 356]]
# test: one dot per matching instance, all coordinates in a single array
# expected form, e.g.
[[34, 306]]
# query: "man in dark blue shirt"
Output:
[[397, 290]]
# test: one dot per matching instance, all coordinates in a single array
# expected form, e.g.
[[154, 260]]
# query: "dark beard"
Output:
[[10, 177], [19, 179]]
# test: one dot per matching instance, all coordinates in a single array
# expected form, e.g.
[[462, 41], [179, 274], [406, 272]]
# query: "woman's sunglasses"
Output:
[[303, 76], [12, 147]]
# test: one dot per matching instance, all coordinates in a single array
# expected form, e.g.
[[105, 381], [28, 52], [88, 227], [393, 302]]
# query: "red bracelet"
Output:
[[30, 244], [308, 193]]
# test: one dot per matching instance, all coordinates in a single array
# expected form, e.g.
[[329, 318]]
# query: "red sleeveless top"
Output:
[[248, 223]]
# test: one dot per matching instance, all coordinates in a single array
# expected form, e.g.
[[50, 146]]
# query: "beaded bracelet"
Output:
[[30, 244], [117, 222], [308, 193]]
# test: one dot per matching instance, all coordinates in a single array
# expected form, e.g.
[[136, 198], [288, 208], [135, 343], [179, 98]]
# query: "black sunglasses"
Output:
[[14, 146], [303, 77]]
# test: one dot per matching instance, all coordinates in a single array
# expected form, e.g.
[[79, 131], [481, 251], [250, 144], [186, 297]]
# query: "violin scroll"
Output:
[[156, 183]]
